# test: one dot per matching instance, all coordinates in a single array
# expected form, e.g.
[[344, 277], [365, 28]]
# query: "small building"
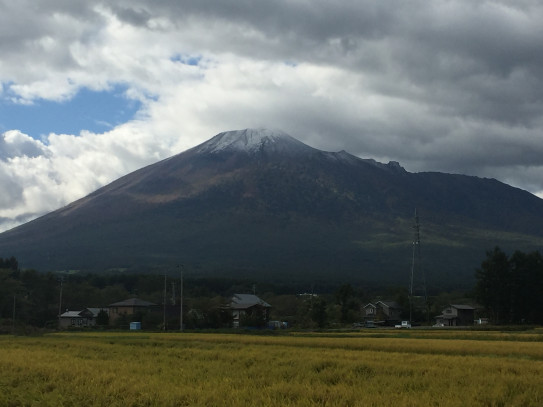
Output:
[[248, 309], [84, 318], [382, 311], [135, 326], [132, 306], [456, 315]]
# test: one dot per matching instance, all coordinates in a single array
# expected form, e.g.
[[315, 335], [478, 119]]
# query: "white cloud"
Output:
[[452, 86], [13, 143], [68, 168]]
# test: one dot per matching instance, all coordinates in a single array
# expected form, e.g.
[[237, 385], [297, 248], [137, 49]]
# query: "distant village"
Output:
[[250, 311]]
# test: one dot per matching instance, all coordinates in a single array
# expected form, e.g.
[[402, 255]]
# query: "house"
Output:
[[456, 315], [84, 318], [128, 307], [386, 311], [370, 312], [248, 309]]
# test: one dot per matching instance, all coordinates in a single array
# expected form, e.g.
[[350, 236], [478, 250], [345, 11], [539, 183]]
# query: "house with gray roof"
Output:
[[456, 315], [248, 310], [132, 306], [79, 319], [387, 312]]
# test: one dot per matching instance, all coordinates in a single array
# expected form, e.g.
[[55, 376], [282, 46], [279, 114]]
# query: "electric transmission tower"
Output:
[[417, 272]]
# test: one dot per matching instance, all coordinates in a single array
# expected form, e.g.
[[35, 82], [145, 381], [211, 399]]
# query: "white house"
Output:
[[86, 317]]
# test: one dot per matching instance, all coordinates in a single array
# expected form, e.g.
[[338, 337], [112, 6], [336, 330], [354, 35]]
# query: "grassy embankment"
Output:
[[370, 368]]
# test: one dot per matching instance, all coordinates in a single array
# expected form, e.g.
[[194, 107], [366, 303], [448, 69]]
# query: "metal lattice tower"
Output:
[[416, 270]]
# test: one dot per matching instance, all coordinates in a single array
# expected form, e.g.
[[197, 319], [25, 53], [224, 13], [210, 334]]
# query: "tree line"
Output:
[[510, 288], [31, 298]]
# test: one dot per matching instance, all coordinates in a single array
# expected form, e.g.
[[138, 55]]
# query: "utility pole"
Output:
[[411, 286], [13, 320], [181, 302], [165, 289], [60, 301]]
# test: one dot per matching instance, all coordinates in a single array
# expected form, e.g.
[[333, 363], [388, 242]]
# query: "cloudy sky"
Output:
[[92, 90]]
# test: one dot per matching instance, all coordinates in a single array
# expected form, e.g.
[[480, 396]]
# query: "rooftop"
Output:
[[132, 302], [461, 306], [247, 300]]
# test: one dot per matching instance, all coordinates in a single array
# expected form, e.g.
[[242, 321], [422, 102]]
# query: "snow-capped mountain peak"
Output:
[[254, 141]]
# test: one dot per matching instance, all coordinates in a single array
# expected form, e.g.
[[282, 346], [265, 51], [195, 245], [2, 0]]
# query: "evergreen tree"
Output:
[[102, 319], [493, 285], [349, 306], [510, 288], [318, 312]]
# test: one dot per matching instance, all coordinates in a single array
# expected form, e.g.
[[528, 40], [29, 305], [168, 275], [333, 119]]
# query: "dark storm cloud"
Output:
[[470, 59]]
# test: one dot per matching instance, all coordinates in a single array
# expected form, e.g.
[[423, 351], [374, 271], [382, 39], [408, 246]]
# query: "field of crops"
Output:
[[367, 368]]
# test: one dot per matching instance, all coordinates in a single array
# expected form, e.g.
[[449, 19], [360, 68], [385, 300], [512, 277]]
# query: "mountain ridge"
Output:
[[263, 204]]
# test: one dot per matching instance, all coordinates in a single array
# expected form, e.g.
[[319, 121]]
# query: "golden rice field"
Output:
[[370, 368]]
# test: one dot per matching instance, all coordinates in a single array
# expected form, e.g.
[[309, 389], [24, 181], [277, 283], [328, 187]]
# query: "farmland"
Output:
[[366, 368]]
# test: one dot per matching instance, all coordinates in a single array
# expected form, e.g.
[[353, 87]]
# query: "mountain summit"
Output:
[[260, 204], [254, 141]]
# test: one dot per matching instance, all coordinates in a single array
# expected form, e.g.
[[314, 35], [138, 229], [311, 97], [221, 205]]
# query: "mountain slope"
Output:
[[261, 203]]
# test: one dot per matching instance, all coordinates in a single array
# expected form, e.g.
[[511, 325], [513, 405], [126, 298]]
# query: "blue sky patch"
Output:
[[187, 59], [87, 110]]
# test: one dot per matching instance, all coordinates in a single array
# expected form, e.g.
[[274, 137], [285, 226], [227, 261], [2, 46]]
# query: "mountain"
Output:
[[261, 204]]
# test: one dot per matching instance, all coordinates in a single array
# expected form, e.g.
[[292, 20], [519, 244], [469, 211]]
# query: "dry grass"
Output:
[[137, 369]]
